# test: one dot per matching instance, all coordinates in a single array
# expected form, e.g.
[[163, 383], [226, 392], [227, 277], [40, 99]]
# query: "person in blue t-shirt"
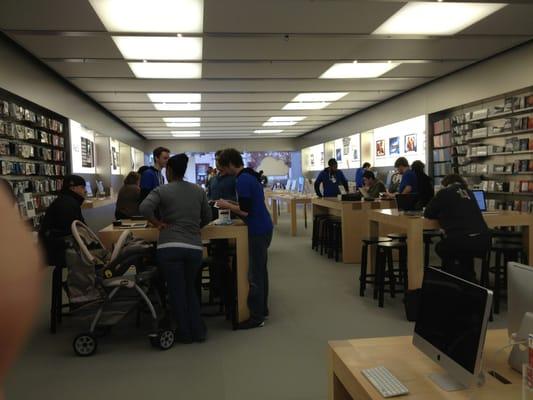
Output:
[[151, 177], [330, 179], [359, 183], [251, 207], [409, 182]]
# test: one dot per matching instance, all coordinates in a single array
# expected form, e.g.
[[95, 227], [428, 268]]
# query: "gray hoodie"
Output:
[[184, 207]]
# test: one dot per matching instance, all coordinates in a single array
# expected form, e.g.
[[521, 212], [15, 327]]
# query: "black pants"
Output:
[[457, 253], [258, 275]]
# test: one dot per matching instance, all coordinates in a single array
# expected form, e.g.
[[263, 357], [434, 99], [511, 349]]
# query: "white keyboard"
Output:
[[385, 383]]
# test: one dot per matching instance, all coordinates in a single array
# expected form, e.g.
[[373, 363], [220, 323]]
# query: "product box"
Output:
[[524, 186], [523, 144]]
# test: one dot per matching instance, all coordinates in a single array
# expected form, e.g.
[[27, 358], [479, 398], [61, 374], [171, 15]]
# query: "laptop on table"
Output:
[[481, 199]]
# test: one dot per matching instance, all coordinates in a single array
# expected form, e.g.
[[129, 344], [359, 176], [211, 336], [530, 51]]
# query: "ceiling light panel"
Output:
[[173, 16], [175, 97], [280, 123], [268, 131], [159, 48], [357, 70], [281, 119], [306, 106], [425, 18], [185, 134], [183, 124], [154, 70], [325, 96], [178, 106], [181, 119]]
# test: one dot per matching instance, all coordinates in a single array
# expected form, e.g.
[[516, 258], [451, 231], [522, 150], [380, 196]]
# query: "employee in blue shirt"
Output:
[[151, 177], [330, 179], [359, 183], [251, 207], [409, 182]]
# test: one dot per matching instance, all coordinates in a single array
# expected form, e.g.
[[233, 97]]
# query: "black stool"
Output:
[[385, 266], [400, 237], [503, 252], [333, 238], [364, 276], [315, 239], [429, 235]]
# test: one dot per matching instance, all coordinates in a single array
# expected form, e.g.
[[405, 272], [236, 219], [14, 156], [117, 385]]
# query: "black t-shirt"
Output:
[[457, 211]]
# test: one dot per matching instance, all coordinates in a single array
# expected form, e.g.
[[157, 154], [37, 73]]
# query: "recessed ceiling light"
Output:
[[425, 18], [183, 124], [268, 131], [325, 96], [357, 70], [185, 134], [159, 48], [283, 121], [181, 119], [154, 70], [171, 16], [306, 106], [177, 106], [297, 119], [175, 97]]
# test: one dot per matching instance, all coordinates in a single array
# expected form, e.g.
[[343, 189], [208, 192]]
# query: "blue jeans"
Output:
[[258, 275], [181, 268]]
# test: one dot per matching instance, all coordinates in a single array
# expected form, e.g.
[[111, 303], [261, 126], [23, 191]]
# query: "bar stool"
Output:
[[400, 237], [315, 239], [334, 238], [504, 252], [385, 266], [429, 235], [364, 277]]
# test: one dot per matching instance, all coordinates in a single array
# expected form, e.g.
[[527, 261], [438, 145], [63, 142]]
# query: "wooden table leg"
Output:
[[415, 253], [305, 215], [294, 225], [243, 286], [274, 211]]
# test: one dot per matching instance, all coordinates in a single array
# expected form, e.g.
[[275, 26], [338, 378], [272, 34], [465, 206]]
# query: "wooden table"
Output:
[[95, 202], [348, 357], [238, 231], [414, 227], [292, 200], [354, 220]]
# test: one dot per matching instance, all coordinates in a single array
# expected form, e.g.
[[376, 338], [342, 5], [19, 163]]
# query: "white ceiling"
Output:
[[257, 56]]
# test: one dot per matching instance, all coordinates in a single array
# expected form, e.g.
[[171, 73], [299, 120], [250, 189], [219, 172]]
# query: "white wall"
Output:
[[208, 145], [510, 71], [28, 78]]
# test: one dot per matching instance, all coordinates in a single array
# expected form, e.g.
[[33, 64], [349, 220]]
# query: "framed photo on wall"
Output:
[[410, 143], [380, 148], [394, 145]]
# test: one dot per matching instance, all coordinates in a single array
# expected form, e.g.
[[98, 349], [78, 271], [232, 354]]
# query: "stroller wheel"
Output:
[[163, 339], [85, 344]]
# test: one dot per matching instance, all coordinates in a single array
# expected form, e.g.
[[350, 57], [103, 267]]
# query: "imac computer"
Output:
[[451, 327], [520, 310]]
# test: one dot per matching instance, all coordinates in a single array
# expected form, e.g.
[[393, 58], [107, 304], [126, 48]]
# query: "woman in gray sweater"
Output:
[[183, 211]]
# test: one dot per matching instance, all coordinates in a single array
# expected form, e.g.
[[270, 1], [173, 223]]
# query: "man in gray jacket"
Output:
[[183, 211]]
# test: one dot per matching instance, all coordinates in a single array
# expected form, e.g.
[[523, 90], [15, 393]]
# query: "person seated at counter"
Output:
[[330, 178], [425, 185], [59, 216], [373, 185], [128, 197], [466, 234], [359, 182], [183, 211]]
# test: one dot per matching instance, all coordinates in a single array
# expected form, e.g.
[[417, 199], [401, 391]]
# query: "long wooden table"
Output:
[[292, 201], [348, 357], [414, 227], [354, 220], [237, 231]]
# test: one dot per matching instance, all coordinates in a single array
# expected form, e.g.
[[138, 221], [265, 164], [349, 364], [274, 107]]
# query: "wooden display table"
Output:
[[292, 200], [238, 231], [354, 219], [348, 357], [95, 202], [414, 227]]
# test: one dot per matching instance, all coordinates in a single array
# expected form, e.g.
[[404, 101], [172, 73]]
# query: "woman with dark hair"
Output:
[[183, 211], [128, 197], [425, 185], [466, 234]]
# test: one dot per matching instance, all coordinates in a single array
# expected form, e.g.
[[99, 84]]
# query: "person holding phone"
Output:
[[331, 178]]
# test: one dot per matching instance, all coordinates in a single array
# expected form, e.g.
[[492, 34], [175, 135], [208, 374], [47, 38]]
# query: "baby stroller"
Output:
[[107, 286]]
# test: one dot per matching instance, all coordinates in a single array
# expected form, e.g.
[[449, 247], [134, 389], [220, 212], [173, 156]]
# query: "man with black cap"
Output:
[[330, 179], [59, 216]]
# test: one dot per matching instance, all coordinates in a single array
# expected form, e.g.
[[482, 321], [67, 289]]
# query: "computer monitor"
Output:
[[519, 293], [451, 325], [481, 199]]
